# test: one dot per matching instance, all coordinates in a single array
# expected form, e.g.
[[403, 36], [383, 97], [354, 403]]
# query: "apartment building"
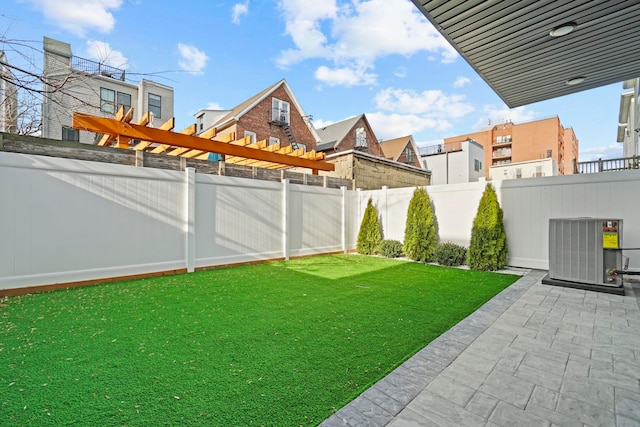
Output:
[[509, 142], [74, 84], [453, 162]]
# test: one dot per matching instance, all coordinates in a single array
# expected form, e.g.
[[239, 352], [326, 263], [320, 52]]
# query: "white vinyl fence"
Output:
[[65, 221], [528, 204]]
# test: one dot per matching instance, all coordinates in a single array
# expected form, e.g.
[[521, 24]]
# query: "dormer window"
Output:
[[280, 111], [409, 155], [361, 138]]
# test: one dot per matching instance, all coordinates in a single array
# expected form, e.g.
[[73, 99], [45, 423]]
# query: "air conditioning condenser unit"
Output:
[[583, 251]]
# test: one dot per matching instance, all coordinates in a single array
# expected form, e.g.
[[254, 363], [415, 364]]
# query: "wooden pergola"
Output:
[[120, 131]]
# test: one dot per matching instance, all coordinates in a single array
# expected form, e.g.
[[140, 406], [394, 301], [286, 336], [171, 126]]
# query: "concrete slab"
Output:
[[535, 355]]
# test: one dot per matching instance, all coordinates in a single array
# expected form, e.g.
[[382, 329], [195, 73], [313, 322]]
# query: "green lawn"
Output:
[[278, 344]]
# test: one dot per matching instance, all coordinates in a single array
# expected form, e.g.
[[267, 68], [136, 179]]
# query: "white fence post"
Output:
[[285, 219], [385, 191], [344, 219], [190, 218]]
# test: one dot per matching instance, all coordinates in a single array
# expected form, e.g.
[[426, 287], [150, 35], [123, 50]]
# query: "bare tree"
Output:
[[38, 82]]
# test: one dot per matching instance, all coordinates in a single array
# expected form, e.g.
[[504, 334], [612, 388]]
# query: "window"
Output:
[[273, 140], [70, 134], [279, 111], [477, 165], [408, 155], [111, 101], [361, 137], [538, 171], [107, 100], [124, 100], [549, 153], [518, 173], [155, 105], [200, 122], [252, 135]]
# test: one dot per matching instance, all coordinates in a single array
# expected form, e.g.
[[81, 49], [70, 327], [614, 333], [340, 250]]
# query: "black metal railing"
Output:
[[93, 67], [441, 148], [605, 165]]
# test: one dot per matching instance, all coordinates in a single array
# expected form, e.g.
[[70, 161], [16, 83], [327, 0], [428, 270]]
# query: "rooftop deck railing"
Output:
[[600, 165], [93, 67], [441, 148]]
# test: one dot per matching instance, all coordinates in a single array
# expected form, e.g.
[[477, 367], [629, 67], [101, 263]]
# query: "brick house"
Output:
[[273, 115], [352, 146], [354, 133], [403, 150]]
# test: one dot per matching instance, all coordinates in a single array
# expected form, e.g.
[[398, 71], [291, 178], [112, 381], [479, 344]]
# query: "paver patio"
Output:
[[534, 355]]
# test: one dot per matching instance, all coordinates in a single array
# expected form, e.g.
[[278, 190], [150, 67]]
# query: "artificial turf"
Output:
[[278, 344]]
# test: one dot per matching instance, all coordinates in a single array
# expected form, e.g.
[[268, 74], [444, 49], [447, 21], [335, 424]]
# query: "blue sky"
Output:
[[341, 58]]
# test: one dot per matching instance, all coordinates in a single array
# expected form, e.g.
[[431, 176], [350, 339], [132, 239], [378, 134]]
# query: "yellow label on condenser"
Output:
[[610, 240]]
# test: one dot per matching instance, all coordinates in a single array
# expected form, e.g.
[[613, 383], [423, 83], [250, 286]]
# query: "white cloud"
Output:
[[79, 16], [103, 53], [239, 9], [344, 76], [605, 152], [461, 81], [393, 125], [404, 112], [319, 123], [497, 115], [356, 33], [213, 106], [430, 102], [400, 72], [193, 59]]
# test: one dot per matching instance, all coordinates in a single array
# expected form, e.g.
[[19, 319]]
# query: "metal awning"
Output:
[[509, 43]]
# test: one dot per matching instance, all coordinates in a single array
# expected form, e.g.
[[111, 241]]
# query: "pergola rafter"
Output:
[[186, 144]]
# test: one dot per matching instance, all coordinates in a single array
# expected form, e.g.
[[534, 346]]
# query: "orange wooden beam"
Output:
[[116, 127], [168, 125], [107, 139]]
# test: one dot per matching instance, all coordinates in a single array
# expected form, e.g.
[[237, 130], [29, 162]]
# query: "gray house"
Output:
[[74, 84]]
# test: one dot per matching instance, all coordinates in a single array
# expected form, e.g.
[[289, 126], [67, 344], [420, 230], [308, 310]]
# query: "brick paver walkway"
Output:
[[535, 355]]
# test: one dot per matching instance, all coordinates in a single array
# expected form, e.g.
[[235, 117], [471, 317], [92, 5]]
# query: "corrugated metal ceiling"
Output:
[[508, 43]]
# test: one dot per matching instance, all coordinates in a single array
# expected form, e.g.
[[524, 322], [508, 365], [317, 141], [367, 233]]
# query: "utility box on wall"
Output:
[[583, 250]]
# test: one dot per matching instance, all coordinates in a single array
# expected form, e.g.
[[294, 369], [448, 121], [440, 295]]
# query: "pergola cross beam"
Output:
[[190, 142]]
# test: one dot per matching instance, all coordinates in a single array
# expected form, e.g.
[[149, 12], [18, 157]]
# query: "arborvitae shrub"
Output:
[[450, 254], [391, 248], [488, 247], [420, 237], [370, 235]]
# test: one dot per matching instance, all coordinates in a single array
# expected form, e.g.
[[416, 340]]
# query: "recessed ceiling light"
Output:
[[563, 30], [575, 81]]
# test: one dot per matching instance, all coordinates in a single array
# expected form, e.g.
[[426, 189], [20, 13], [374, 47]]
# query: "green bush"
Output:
[[450, 254], [420, 238], [488, 247], [370, 234], [391, 248]]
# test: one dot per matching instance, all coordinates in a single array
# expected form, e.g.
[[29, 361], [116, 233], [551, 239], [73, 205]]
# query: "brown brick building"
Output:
[[354, 133], [403, 150], [273, 115], [511, 143]]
